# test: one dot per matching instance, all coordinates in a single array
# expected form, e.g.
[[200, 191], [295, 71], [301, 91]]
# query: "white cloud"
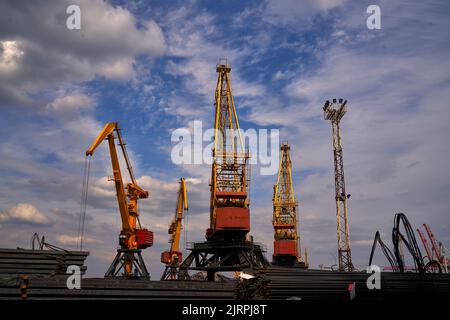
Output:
[[103, 187], [147, 182], [283, 75], [70, 102], [24, 213], [10, 56], [118, 70], [367, 242], [194, 181], [73, 240], [190, 36], [107, 45], [295, 12]]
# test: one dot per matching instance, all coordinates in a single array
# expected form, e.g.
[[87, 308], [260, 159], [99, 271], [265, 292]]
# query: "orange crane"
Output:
[[173, 257], [132, 238], [436, 253], [425, 244], [433, 242], [228, 246], [286, 245], [229, 208]]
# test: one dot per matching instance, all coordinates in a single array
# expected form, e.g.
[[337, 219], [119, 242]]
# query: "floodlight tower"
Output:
[[334, 111]]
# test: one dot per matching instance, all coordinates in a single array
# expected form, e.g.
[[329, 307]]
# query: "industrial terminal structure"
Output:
[[228, 248]]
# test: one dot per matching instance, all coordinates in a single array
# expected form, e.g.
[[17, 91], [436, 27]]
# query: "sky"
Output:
[[150, 65]]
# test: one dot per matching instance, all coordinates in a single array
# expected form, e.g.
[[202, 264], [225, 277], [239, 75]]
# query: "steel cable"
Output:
[[83, 201]]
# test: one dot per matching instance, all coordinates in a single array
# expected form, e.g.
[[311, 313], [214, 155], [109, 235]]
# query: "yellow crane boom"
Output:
[[173, 257]]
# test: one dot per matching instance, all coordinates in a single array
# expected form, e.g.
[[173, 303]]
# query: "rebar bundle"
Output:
[[318, 285], [40, 262], [55, 288]]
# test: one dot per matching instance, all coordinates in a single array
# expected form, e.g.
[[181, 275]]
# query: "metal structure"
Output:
[[286, 245], [223, 255], [406, 239], [289, 284], [425, 244], [52, 261], [334, 111], [119, 290], [226, 248], [173, 257], [435, 254], [328, 286], [434, 245], [229, 206], [133, 237]]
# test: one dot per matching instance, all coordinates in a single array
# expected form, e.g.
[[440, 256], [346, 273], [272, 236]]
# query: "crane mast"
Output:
[[132, 238], [287, 249], [229, 209], [173, 257], [425, 244], [334, 112], [433, 242], [226, 247]]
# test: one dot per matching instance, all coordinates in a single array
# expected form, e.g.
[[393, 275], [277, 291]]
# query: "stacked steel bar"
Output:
[[55, 288], [40, 262], [307, 285], [317, 285]]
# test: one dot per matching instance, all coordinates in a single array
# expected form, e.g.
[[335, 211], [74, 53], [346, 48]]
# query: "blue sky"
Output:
[[150, 65]]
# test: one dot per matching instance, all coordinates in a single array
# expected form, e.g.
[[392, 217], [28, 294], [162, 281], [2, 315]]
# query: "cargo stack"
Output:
[[40, 262]]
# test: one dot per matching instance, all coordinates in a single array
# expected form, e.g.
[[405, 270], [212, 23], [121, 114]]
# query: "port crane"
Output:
[[229, 205], [133, 238], [173, 257], [227, 246], [286, 244], [435, 255]]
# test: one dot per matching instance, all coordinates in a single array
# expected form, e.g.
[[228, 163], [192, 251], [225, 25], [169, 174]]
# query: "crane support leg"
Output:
[[217, 256], [170, 272], [122, 262]]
